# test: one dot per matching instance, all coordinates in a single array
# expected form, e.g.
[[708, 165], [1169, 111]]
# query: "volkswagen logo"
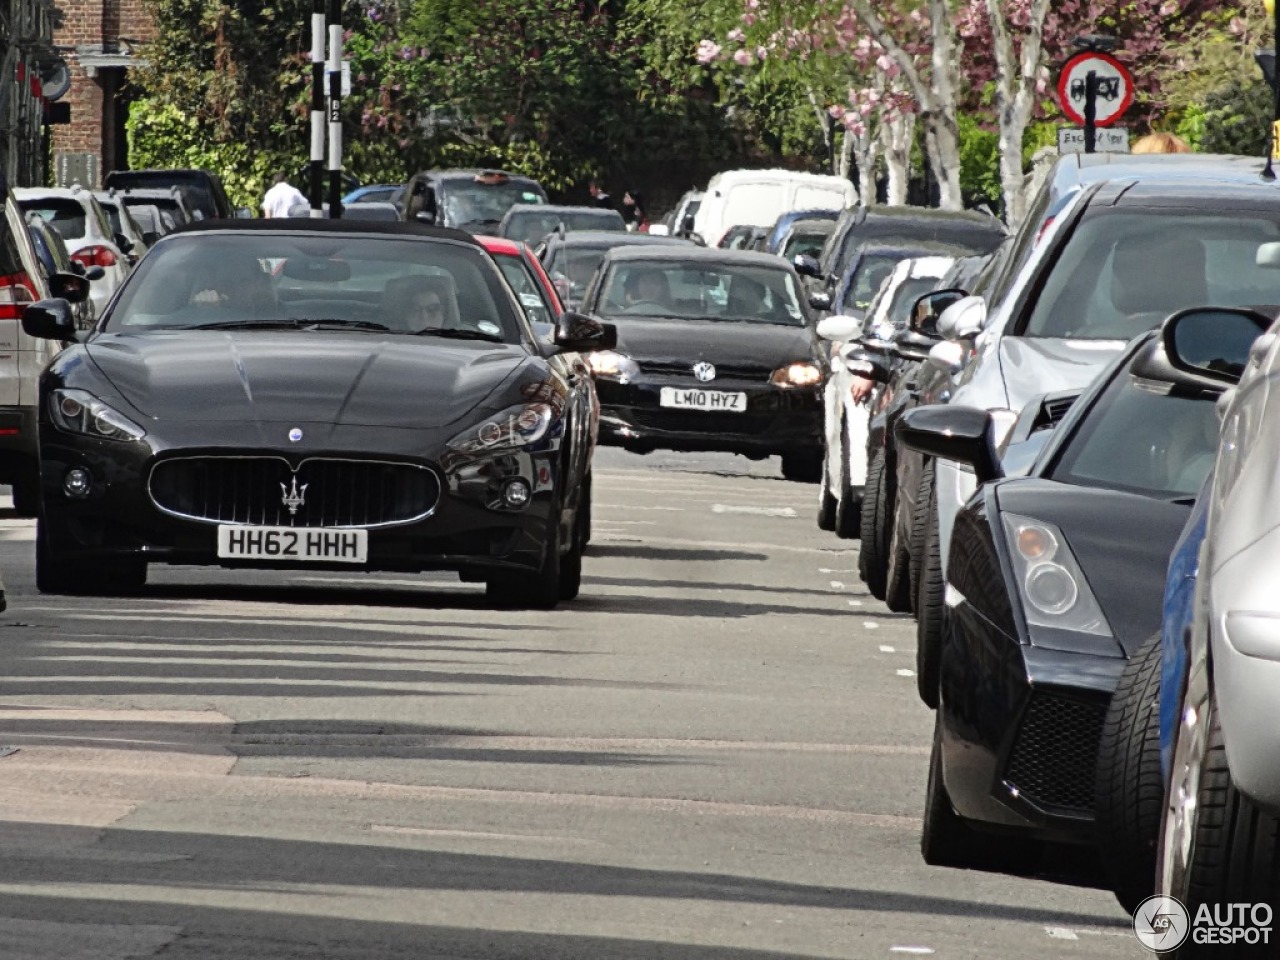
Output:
[[704, 371]]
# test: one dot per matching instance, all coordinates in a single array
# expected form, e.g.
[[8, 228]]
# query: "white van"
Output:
[[758, 197]]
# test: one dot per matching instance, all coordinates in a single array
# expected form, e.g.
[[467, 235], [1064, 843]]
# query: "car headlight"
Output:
[[611, 365], [1053, 588], [797, 375], [512, 429], [78, 411]]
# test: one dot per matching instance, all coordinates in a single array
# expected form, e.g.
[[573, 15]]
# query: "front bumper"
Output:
[[467, 531], [1022, 725], [775, 421]]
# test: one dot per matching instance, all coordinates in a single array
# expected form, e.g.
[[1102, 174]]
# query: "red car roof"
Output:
[[500, 245]]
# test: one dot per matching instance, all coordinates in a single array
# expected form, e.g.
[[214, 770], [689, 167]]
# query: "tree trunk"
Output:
[[898, 134]]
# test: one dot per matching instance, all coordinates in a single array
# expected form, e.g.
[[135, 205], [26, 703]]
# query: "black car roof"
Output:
[[318, 225], [470, 173], [1213, 190], [616, 238]]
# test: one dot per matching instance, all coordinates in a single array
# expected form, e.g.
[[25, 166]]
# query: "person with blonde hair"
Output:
[[1160, 143]]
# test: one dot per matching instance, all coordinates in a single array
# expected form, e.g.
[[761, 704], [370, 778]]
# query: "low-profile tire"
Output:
[[26, 492], [897, 589], [848, 504], [919, 525], [1129, 791], [930, 610], [802, 466], [873, 558], [585, 512], [537, 589], [1235, 854], [571, 565], [946, 840], [58, 575]]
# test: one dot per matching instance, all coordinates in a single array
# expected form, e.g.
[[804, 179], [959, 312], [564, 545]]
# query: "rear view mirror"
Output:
[[1213, 342], [963, 434], [317, 269], [926, 311], [840, 327], [93, 273], [963, 320]]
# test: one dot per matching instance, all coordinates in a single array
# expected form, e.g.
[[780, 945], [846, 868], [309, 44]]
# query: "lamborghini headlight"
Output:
[[797, 375], [77, 411], [611, 365], [1053, 588]]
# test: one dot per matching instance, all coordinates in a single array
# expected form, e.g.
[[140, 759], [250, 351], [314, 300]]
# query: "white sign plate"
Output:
[[692, 398], [292, 544], [1106, 140]]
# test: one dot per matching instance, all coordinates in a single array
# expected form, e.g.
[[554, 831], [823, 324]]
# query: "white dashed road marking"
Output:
[[785, 512], [906, 673], [884, 649]]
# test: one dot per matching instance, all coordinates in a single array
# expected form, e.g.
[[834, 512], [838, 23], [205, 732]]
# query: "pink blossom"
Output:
[[736, 35], [761, 52], [743, 58], [708, 50]]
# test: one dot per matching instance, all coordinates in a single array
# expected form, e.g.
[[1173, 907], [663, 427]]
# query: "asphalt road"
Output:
[[716, 753]]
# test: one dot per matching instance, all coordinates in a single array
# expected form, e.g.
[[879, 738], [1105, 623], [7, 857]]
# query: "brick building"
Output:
[[101, 40]]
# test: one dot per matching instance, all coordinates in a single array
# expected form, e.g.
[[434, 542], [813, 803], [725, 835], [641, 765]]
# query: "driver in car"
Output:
[[646, 288]]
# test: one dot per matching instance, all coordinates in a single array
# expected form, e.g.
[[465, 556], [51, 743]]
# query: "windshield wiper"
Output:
[[337, 323], [461, 335], [274, 323]]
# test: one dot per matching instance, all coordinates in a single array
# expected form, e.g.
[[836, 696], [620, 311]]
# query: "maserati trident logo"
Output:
[[293, 496], [704, 371]]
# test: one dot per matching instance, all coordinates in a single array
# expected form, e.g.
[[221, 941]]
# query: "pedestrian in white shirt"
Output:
[[281, 197]]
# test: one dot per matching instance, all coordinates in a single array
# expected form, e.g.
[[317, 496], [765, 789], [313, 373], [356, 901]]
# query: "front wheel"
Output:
[[802, 466], [538, 589], [60, 575], [877, 513]]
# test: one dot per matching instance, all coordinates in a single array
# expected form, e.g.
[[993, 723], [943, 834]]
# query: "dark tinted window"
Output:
[[696, 291], [65, 216], [870, 272]]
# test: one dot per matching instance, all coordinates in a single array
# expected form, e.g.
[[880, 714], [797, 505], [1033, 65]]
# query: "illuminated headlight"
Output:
[[1054, 590], [79, 412], [797, 375], [611, 365], [512, 429]]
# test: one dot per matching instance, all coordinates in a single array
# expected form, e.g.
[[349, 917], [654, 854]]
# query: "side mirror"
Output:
[[870, 367], [806, 265], [926, 310], [78, 268], [93, 273], [964, 434], [820, 300], [123, 242], [50, 319], [947, 356], [840, 327], [72, 287], [912, 345], [963, 320], [1212, 342], [578, 333]]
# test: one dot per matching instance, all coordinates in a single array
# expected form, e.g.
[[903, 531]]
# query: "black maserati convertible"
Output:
[[315, 394], [1055, 579]]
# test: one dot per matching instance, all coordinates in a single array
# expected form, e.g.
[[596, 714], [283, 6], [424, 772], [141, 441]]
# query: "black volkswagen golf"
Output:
[[716, 351], [321, 394]]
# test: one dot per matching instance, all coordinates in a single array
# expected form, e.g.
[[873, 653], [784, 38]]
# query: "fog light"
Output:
[[76, 483], [516, 493]]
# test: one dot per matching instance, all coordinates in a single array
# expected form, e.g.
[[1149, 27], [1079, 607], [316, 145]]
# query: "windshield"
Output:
[[577, 265], [366, 282], [868, 275], [807, 240], [1139, 439], [478, 204], [534, 224], [1123, 273], [530, 295], [713, 291]]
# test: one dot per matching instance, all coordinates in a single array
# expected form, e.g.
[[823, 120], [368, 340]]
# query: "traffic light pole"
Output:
[[316, 191], [335, 109]]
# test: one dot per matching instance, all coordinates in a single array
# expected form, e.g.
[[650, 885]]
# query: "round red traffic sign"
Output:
[[1115, 87]]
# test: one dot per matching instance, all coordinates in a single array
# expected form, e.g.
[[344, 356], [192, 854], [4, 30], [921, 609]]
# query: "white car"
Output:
[[84, 225], [756, 198], [846, 422], [123, 224]]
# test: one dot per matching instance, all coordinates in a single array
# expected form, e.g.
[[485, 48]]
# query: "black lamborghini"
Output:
[[317, 394], [1055, 579]]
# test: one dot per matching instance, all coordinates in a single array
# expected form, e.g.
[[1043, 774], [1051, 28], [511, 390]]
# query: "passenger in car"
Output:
[[415, 304]]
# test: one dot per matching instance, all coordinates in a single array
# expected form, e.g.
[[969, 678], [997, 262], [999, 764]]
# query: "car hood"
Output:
[[717, 341], [1036, 365], [341, 378], [1122, 542]]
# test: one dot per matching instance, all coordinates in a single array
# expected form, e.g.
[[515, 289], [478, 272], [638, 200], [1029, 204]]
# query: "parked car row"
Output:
[[1042, 426]]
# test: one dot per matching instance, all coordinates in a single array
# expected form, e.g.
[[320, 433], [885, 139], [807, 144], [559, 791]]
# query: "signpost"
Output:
[[1094, 89], [1106, 140]]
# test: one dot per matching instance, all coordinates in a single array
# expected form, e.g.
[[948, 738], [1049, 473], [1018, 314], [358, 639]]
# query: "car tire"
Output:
[[877, 506], [584, 512], [848, 504], [537, 589], [1235, 852], [919, 524], [827, 501], [897, 589], [26, 492], [802, 466], [56, 575], [946, 840], [1129, 791], [930, 610], [571, 566]]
